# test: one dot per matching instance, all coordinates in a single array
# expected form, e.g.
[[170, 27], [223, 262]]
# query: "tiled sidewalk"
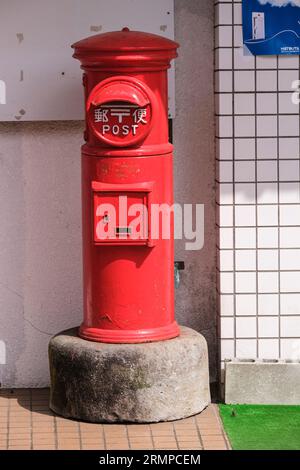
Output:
[[27, 423]]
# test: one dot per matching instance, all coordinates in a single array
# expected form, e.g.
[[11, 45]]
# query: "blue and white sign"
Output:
[[271, 27]]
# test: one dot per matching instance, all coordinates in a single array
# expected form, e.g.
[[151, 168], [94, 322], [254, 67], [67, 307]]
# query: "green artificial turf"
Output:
[[262, 427]]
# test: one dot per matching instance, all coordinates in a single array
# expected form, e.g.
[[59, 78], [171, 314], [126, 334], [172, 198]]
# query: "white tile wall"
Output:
[[268, 348], [267, 260], [267, 148], [245, 348], [268, 304], [289, 148], [245, 260], [244, 148], [245, 304], [258, 177], [266, 103]]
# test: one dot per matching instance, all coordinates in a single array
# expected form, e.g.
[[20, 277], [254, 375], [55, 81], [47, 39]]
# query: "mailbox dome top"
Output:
[[125, 40], [125, 46]]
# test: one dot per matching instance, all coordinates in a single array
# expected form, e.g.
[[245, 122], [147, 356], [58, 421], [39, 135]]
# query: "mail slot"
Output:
[[128, 262]]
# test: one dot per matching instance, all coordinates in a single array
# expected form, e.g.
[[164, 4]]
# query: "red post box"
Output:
[[127, 189]]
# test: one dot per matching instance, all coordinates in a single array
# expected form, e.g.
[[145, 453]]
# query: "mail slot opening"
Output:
[[123, 230]]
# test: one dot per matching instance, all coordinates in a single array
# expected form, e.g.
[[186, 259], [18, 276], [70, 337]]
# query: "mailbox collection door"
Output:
[[120, 217]]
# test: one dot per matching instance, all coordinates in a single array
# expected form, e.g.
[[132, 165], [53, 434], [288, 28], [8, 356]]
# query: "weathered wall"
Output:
[[194, 164], [40, 245]]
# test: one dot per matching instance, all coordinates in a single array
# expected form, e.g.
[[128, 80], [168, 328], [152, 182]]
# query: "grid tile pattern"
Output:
[[258, 201], [27, 423]]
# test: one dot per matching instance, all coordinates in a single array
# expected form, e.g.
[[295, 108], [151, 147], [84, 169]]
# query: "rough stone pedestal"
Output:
[[149, 382]]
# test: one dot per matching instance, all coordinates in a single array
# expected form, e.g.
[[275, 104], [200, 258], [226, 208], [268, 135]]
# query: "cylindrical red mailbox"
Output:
[[127, 189]]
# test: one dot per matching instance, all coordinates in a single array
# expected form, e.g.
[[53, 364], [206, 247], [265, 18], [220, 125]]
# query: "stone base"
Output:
[[143, 383]]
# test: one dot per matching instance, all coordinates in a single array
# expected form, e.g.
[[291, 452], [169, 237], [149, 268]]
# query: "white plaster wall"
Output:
[[40, 235], [40, 247]]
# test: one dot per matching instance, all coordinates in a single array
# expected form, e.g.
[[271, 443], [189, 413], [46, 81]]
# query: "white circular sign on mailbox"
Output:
[[119, 111]]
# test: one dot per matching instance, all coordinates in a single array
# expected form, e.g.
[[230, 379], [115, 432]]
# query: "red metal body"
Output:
[[126, 160]]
